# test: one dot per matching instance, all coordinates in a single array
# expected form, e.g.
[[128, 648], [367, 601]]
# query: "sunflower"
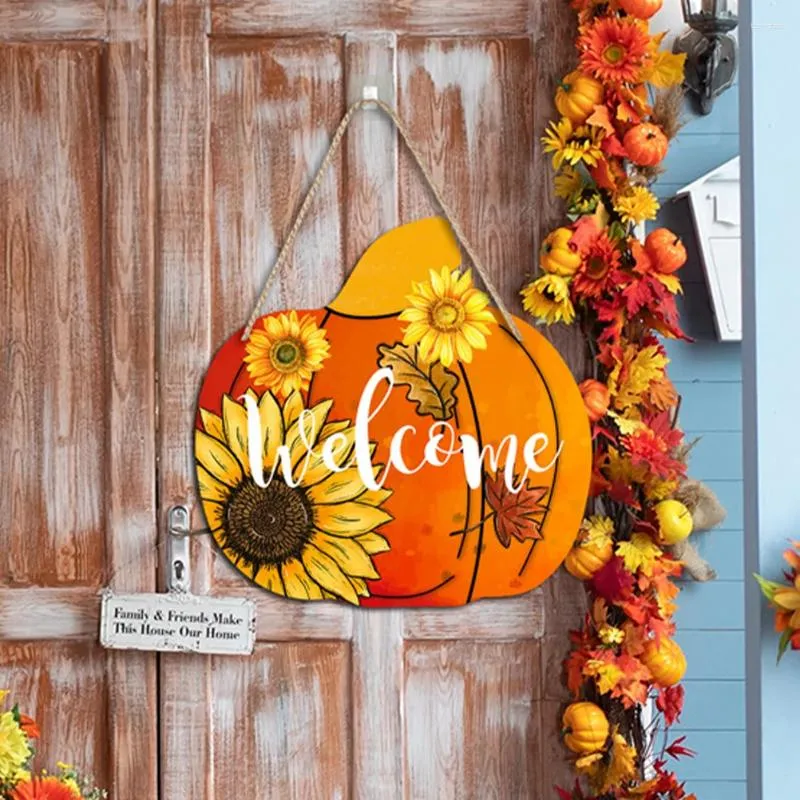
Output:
[[14, 749], [285, 351], [547, 298], [614, 50], [572, 145], [312, 541], [596, 274], [636, 205], [45, 788], [448, 317]]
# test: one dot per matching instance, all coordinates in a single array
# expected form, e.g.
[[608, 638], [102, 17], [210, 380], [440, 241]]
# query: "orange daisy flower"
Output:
[[597, 272], [614, 50], [42, 789]]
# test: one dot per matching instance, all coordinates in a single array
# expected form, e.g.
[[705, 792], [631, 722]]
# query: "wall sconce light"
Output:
[[709, 47]]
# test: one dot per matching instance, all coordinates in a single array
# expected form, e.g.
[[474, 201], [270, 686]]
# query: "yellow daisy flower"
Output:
[[284, 352], [609, 635], [572, 145], [448, 317], [547, 298], [636, 205], [567, 183], [314, 541], [14, 749]]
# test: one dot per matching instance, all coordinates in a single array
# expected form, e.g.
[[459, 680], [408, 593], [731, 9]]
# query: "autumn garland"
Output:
[[619, 110]]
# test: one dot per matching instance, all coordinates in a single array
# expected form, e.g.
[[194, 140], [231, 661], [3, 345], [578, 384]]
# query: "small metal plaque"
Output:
[[178, 622]]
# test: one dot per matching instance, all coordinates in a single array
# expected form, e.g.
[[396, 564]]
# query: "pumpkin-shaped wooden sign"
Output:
[[398, 448]]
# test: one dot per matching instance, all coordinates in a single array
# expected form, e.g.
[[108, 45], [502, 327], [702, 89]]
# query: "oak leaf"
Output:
[[430, 386]]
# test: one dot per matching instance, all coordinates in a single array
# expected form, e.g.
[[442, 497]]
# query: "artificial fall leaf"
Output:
[[662, 394], [515, 514], [573, 667], [677, 749], [670, 703], [601, 118], [430, 386], [585, 232], [632, 377], [612, 581], [670, 282], [648, 450], [665, 70], [634, 687], [640, 553], [606, 676], [621, 766]]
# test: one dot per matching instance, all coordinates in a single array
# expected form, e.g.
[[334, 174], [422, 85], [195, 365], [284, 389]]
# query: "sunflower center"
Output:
[[596, 268], [614, 53], [268, 525], [286, 355], [447, 315]]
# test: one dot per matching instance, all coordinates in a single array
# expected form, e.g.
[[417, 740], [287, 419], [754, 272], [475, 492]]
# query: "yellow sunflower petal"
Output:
[[339, 486], [360, 585], [269, 577], [328, 574], [349, 555], [349, 519], [234, 423], [304, 432], [214, 514], [297, 582], [373, 543], [292, 408], [212, 424], [210, 488], [316, 469], [375, 497], [217, 459], [269, 412]]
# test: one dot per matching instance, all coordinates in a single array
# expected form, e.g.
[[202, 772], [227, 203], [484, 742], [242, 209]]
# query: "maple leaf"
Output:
[[640, 553], [621, 766], [670, 703], [514, 513], [585, 232], [606, 675], [665, 69], [676, 749], [662, 394], [631, 377], [613, 147], [573, 668], [612, 581], [670, 282], [634, 687]]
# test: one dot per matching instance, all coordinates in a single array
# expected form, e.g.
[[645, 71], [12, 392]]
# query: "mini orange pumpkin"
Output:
[[596, 398], [646, 144], [642, 9], [559, 254], [577, 95], [584, 560], [665, 660], [666, 249], [585, 728]]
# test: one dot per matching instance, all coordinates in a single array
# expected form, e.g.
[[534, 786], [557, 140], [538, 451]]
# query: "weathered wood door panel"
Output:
[[77, 435], [336, 702]]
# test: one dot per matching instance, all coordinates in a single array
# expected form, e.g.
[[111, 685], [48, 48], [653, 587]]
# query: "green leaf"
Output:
[[784, 644], [768, 588]]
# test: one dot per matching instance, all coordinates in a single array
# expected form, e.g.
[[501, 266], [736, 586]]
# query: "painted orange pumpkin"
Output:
[[560, 255], [646, 144], [586, 559], [430, 538], [666, 249], [642, 9], [585, 728], [665, 660], [577, 95], [596, 398]]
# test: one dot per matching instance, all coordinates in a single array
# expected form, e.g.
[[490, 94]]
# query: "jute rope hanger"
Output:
[[336, 141]]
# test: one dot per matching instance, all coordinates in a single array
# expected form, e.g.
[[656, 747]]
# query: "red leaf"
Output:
[[676, 749], [670, 703], [612, 582], [585, 232]]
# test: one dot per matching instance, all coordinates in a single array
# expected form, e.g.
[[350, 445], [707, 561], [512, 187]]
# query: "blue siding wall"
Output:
[[708, 374]]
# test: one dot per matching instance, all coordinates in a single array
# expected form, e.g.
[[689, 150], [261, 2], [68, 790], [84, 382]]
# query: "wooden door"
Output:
[[336, 702], [77, 388]]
